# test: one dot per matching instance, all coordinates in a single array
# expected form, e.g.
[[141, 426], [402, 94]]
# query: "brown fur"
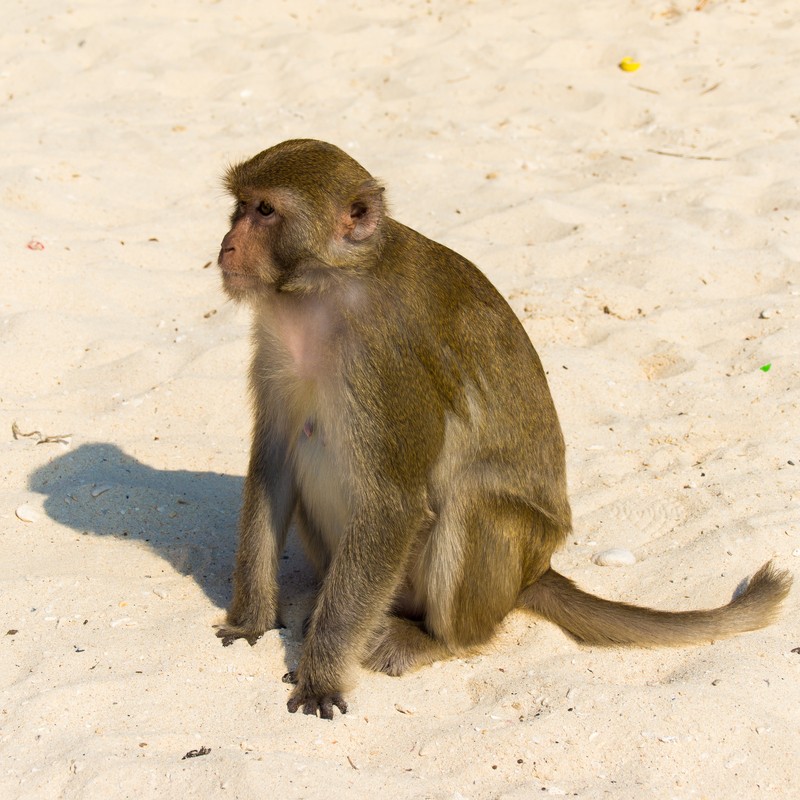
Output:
[[403, 418]]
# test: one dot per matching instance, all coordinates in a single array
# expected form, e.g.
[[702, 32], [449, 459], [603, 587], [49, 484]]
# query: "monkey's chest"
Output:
[[320, 478], [306, 409]]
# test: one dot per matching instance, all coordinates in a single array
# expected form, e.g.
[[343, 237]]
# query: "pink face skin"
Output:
[[244, 248]]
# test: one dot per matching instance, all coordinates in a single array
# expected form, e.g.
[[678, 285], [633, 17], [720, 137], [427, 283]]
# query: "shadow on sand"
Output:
[[187, 518]]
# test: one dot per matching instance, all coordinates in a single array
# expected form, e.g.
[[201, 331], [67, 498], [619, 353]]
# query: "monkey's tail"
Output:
[[594, 620]]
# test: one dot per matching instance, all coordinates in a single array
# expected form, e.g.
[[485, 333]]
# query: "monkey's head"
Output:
[[304, 210]]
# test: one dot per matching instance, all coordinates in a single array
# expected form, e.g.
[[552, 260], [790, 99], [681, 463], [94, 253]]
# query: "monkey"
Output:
[[402, 422]]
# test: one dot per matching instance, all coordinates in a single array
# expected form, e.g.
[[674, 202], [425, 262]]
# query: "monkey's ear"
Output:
[[365, 211]]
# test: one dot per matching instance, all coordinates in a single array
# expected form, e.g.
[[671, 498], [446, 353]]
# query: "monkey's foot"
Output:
[[386, 657], [400, 645], [311, 704], [230, 633]]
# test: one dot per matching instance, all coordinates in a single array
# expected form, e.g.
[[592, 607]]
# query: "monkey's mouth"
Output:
[[237, 280]]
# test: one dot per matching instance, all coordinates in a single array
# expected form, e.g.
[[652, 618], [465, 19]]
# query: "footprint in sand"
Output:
[[664, 364], [635, 522]]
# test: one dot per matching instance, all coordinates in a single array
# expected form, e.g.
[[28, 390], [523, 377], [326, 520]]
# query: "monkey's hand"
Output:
[[230, 633], [243, 626], [313, 702]]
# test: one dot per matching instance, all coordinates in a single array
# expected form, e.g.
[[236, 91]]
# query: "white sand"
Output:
[[506, 130]]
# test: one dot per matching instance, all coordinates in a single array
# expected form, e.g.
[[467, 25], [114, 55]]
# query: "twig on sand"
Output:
[[685, 155], [60, 438]]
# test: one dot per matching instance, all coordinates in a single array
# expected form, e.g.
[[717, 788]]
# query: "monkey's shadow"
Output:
[[188, 518]]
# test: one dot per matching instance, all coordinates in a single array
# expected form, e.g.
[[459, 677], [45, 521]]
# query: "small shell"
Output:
[[27, 513], [98, 490], [615, 557]]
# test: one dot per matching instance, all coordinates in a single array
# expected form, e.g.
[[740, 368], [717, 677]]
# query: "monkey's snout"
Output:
[[225, 254]]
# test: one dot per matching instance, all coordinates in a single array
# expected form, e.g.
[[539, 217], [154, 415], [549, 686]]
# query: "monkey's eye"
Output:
[[265, 209]]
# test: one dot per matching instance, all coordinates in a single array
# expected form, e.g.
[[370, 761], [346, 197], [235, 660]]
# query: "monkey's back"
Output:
[[461, 358]]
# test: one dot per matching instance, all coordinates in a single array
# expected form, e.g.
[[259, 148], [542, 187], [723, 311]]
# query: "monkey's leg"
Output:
[[269, 499], [314, 546], [313, 542], [471, 568], [493, 552]]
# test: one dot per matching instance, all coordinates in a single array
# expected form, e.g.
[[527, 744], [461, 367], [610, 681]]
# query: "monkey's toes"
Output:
[[389, 660], [392, 667]]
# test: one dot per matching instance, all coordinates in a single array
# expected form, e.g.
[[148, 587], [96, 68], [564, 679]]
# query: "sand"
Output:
[[644, 227]]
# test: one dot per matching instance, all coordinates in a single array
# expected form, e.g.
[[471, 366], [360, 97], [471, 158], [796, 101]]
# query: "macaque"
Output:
[[403, 423]]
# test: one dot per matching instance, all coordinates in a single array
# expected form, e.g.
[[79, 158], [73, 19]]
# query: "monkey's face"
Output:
[[276, 236], [247, 254], [304, 212]]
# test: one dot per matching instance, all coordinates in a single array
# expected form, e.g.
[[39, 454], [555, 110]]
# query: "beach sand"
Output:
[[643, 225]]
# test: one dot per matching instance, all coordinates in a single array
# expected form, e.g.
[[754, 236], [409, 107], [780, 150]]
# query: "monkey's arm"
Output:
[[269, 500], [355, 595]]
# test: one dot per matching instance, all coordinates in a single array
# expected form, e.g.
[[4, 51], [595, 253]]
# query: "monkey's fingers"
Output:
[[229, 635], [290, 677], [314, 705], [327, 704]]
